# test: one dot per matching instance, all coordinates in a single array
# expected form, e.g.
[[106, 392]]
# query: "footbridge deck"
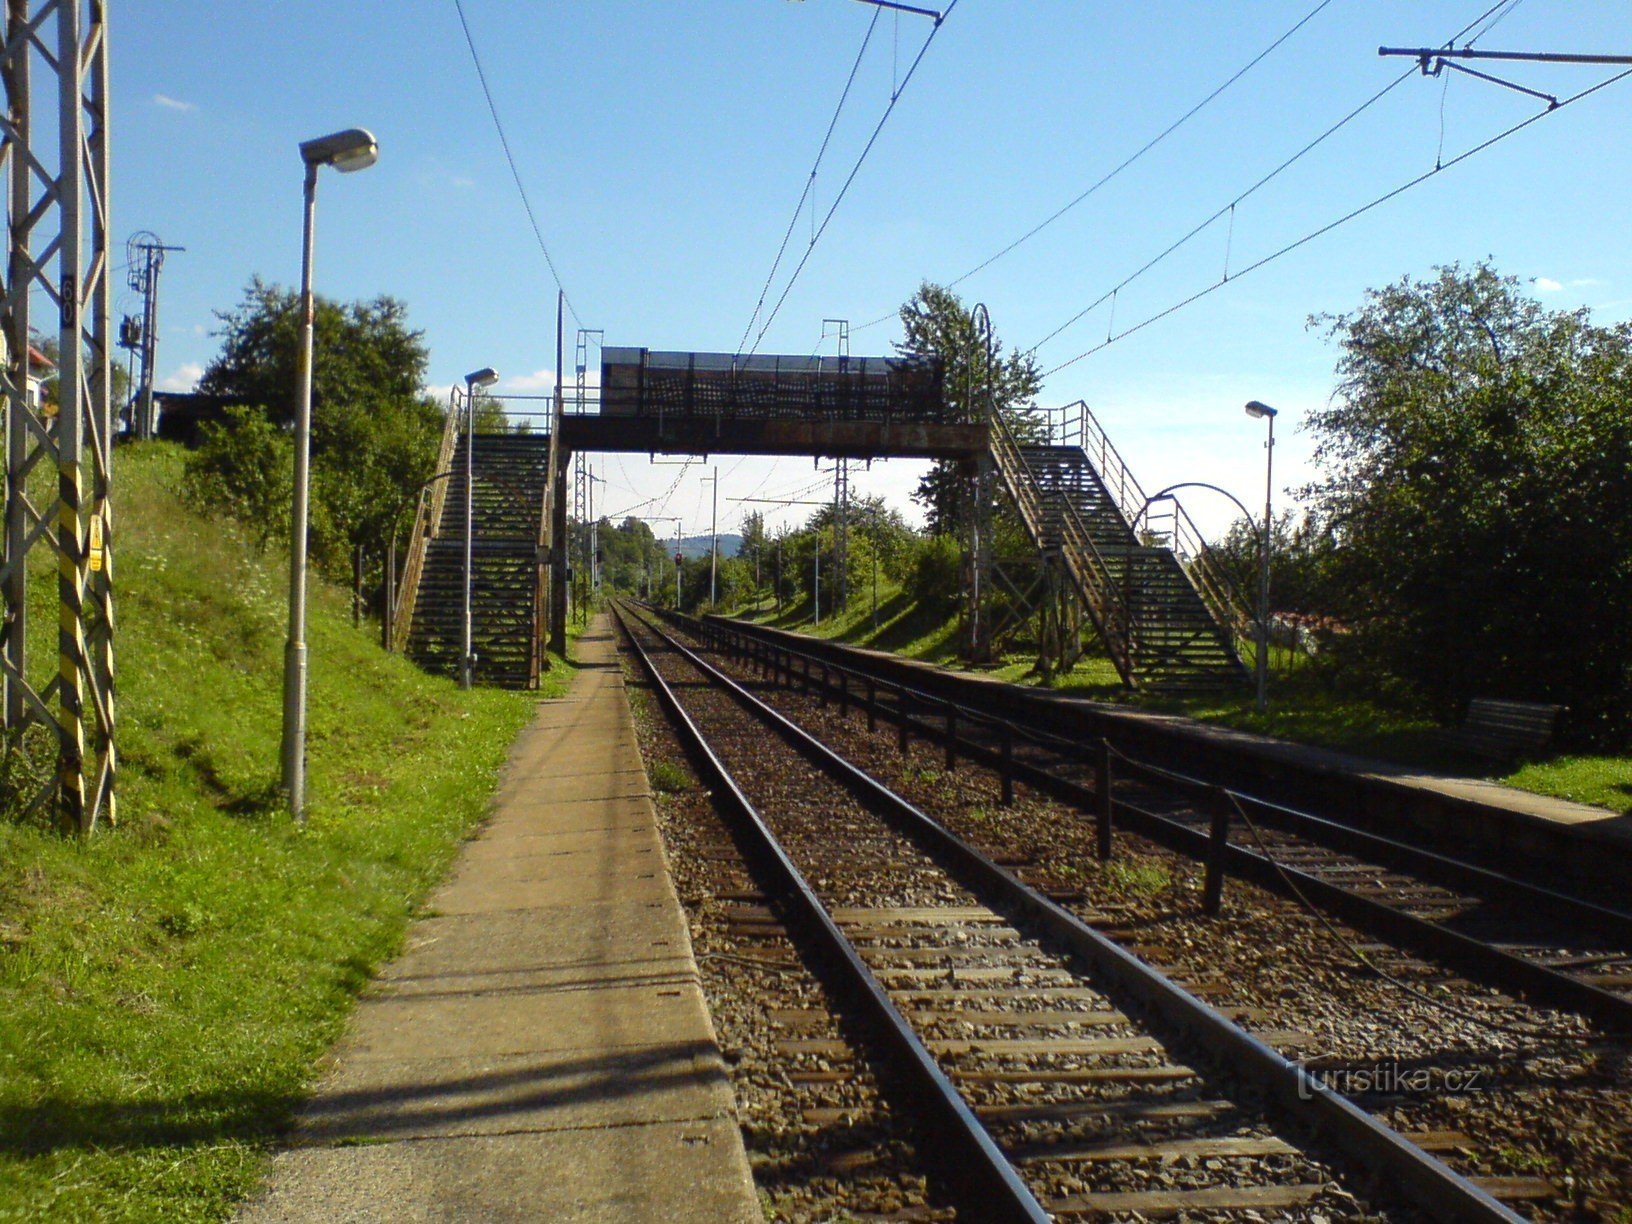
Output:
[[706, 403]]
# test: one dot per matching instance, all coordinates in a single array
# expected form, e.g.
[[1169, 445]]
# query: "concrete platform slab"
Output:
[[446, 948], [620, 1009], [505, 1095], [542, 1049], [643, 883], [670, 1172]]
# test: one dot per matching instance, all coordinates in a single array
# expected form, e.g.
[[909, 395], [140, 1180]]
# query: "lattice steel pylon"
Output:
[[54, 146]]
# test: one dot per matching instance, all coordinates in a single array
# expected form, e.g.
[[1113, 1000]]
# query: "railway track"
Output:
[[1551, 948], [1058, 1075]]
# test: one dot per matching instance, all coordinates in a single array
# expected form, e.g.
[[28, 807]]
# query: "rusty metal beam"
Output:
[[726, 436]]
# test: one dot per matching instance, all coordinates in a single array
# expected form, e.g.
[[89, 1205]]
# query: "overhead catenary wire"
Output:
[[810, 181], [1229, 208], [844, 189], [1128, 161], [510, 157], [1173, 127], [1340, 221]]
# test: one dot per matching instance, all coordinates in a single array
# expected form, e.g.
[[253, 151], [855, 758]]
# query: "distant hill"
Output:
[[697, 546]]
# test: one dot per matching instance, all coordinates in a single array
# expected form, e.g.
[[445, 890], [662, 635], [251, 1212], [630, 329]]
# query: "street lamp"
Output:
[[484, 377], [352, 149], [1264, 412]]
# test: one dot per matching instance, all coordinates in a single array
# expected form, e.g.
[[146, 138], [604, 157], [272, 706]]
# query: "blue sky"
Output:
[[664, 146]]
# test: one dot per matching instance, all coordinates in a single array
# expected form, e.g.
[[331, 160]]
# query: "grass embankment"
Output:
[[168, 987], [1303, 707]]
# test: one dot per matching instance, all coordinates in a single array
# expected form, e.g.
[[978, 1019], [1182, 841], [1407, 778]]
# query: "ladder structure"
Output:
[[1168, 615]]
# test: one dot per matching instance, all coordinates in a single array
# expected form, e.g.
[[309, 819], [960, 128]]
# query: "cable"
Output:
[[810, 183], [1168, 131], [1343, 220], [1128, 161], [889, 110], [1229, 208], [515, 173], [1147, 147], [1496, 20]]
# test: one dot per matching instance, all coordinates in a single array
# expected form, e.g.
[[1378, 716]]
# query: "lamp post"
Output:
[[485, 377], [1264, 412], [352, 149]]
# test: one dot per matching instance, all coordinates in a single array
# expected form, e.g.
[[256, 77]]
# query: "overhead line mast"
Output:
[[55, 147]]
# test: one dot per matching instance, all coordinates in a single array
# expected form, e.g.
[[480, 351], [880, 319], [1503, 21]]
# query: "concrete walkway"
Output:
[[542, 1050]]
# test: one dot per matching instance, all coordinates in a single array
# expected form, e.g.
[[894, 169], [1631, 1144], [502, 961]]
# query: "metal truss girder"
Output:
[[54, 54]]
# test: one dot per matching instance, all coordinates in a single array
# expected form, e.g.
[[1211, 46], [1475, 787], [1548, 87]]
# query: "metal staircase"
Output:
[[1167, 613], [508, 501]]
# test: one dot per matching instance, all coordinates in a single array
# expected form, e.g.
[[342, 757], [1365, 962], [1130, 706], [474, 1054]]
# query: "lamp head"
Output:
[[352, 149], [484, 377], [1259, 409]]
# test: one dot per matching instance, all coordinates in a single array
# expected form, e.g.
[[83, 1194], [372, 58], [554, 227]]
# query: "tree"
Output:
[[936, 324], [1476, 458], [374, 432]]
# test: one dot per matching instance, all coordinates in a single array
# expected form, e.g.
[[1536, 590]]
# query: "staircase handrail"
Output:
[[1208, 574], [1114, 474], [1078, 546], [1232, 612], [427, 522]]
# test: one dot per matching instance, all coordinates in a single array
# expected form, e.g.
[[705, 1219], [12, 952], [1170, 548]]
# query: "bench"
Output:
[[1505, 730]]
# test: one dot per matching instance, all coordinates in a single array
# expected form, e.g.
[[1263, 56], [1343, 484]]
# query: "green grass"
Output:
[[167, 987], [668, 778], [901, 625], [1303, 707]]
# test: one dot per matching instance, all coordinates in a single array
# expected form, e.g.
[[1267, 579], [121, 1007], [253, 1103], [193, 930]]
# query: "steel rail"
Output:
[[1303, 1099], [971, 1160], [1465, 953]]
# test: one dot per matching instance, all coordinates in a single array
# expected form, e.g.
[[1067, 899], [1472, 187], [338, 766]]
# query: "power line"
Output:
[[515, 173], [1173, 127], [1128, 161], [1343, 220], [810, 182], [895, 96], [1229, 209]]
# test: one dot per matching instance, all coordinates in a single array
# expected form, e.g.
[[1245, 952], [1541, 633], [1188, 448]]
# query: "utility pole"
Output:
[[714, 538], [841, 532], [874, 551], [560, 528], [145, 255]]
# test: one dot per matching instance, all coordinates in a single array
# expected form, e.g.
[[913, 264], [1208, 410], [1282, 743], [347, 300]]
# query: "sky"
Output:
[[664, 146]]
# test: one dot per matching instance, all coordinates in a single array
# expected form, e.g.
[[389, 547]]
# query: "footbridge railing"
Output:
[[1089, 571], [1170, 527], [427, 518]]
